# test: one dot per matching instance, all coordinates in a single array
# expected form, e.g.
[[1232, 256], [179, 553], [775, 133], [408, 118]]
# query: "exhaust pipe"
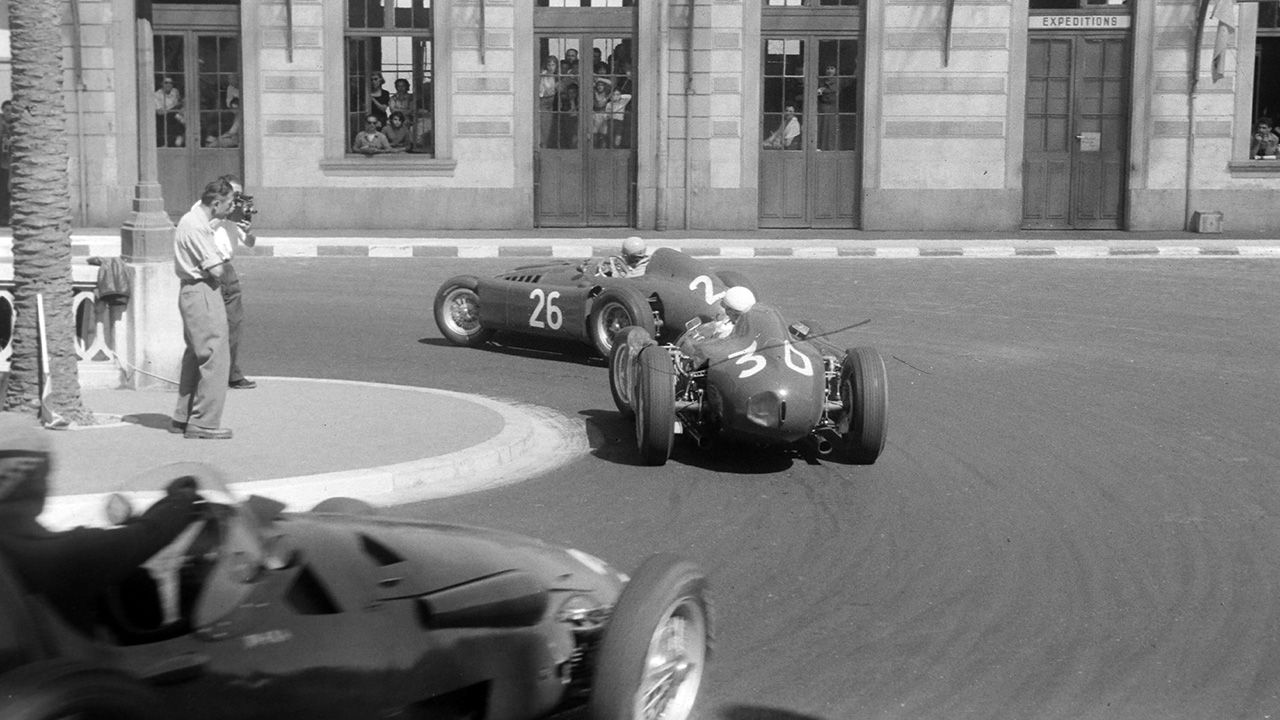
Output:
[[819, 444]]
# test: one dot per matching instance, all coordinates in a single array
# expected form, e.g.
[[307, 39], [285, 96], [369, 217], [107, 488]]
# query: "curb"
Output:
[[353, 247], [533, 440]]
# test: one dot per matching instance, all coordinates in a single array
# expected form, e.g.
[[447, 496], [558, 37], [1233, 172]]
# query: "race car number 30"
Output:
[[793, 359], [552, 316]]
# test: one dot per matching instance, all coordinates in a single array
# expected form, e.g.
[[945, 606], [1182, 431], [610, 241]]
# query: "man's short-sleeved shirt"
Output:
[[226, 234], [194, 247]]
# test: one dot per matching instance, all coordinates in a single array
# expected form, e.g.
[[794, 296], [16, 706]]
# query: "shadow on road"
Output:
[[153, 421], [530, 347], [612, 438], [751, 712]]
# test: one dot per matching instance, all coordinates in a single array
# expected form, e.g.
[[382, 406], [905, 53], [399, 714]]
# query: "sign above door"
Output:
[[1109, 21]]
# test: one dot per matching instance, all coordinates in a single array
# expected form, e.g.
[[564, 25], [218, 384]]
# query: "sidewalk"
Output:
[[301, 441], [576, 243]]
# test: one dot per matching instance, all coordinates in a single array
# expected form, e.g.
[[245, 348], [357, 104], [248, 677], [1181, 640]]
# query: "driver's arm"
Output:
[[72, 568]]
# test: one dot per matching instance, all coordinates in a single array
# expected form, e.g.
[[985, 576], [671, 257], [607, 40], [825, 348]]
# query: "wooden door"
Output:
[[1076, 140], [202, 137], [585, 157], [809, 157]]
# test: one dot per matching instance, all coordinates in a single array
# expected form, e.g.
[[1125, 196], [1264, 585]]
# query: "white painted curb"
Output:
[[533, 440]]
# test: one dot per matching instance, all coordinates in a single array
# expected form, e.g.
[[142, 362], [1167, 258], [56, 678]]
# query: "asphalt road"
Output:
[[1076, 516]]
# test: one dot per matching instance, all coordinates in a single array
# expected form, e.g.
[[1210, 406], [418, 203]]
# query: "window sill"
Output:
[[397, 165], [1246, 168]]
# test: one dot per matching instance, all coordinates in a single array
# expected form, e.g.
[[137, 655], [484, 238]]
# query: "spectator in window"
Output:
[[1264, 143], [399, 135], [370, 140], [231, 137], [548, 91], [787, 135], [570, 64], [401, 101], [609, 124], [232, 91], [599, 66], [379, 99], [170, 127], [828, 107], [569, 101]]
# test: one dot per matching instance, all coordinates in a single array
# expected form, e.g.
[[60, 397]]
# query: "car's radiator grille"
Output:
[[580, 668]]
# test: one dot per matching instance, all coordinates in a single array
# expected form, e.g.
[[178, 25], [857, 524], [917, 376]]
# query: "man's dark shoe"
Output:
[[177, 428], [199, 433], [242, 384]]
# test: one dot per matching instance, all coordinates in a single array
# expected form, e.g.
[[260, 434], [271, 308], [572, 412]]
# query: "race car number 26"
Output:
[[546, 307]]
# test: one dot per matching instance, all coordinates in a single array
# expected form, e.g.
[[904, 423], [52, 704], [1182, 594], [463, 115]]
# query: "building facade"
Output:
[[991, 115]]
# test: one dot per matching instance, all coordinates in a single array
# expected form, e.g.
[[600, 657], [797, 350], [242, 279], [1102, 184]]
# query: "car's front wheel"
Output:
[[62, 690], [615, 309], [627, 344], [457, 311], [864, 392], [655, 405], [656, 648]]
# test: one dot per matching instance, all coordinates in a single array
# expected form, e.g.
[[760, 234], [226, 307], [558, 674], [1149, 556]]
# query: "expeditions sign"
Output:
[[1079, 22]]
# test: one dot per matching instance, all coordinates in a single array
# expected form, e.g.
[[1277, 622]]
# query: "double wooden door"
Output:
[[1077, 132], [585, 124], [199, 100], [809, 157]]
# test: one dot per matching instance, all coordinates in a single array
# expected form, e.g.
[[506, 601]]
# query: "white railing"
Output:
[[100, 332]]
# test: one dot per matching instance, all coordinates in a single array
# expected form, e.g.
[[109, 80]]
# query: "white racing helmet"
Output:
[[739, 299], [633, 247]]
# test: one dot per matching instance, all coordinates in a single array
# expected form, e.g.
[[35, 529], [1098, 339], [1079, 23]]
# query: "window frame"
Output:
[[339, 160], [1240, 164]]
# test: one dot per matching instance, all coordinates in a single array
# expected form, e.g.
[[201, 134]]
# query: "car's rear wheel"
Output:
[[655, 405], [622, 362], [864, 392], [654, 652], [615, 309], [457, 311], [63, 690]]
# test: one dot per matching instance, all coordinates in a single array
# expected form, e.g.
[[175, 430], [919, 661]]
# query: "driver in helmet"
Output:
[[72, 568], [632, 260], [736, 302]]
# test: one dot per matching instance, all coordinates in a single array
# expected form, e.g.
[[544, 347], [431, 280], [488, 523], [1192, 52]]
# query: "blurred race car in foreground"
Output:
[[766, 383], [583, 301], [339, 613]]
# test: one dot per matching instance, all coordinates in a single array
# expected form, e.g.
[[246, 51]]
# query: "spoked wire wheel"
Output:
[[457, 311]]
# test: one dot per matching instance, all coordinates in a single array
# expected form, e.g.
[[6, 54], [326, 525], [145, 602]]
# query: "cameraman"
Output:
[[235, 229]]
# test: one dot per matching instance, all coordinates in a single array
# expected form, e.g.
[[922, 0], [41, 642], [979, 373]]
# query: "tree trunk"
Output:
[[41, 214]]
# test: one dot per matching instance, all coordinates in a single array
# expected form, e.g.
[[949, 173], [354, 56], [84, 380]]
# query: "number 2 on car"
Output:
[[705, 281]]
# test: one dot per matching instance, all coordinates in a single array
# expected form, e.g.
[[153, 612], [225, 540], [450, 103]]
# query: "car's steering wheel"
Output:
[[611, 267]]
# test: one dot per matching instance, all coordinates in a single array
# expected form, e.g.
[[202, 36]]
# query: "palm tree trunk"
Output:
[[41, 213]]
